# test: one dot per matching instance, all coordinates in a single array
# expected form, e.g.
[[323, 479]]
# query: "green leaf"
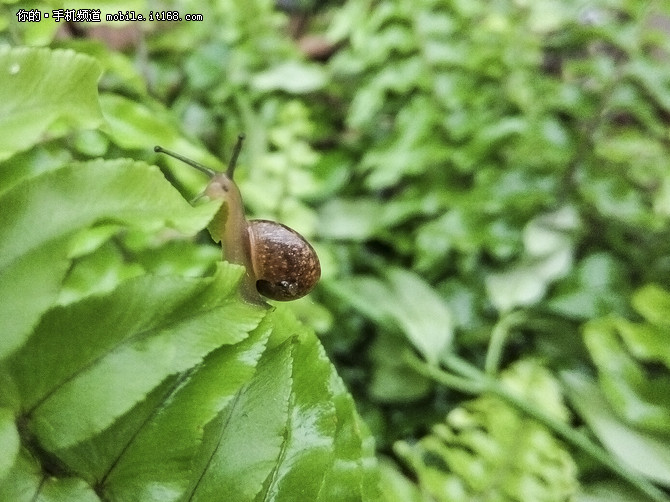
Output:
[[71, 489], [353, 473], [396, 487], [422, 314], [43, 90], [653, 78], [116, 64], [79, 394], [34, 255], [172, 436], [292, 77], [308, 449], [615, 198], [548, 243], [610, 491], [646, 342], [351, 467], [35, 34], [23, 481], [29, 285], [653, 302], [291, 432], [362, 219], [634, 362], [404, 302], [599, 285], [245, 442], [135, 125], [641, 400], [9, 442], [641, 451], [96, 273], [487, 450], [267, 414], [392, 380]]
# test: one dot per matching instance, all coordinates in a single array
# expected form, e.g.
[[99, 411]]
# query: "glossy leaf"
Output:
[[65, 94], [171, 376], [145, 319], [244, 444], [34, 256], [282, 435]]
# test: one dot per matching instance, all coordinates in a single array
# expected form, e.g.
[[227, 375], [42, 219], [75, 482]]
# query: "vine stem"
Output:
[[469, 379], [499, 336]]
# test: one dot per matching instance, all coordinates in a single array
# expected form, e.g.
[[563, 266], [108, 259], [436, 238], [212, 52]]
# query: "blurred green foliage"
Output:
[[487, 450], [486, 180]]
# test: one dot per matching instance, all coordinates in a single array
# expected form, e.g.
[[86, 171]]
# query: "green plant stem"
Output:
[[498, 338], [466, 378], [466, 385]]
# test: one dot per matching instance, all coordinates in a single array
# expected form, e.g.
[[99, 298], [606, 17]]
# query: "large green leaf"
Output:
[[173, 386], [41, 215], [70, 395], [290, 433], [153, 387], [167, 442], [43, 90], [245, 443]]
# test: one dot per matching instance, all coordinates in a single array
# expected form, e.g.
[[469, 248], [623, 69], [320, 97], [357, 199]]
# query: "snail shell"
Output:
[[284, 264]]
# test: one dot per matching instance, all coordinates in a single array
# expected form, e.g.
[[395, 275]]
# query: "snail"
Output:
[[280, 264]]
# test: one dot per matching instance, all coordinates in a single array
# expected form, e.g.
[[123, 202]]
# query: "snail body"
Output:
[[280, 264]]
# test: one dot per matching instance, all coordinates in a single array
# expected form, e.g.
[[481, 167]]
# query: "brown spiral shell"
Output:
[[285, 265]]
